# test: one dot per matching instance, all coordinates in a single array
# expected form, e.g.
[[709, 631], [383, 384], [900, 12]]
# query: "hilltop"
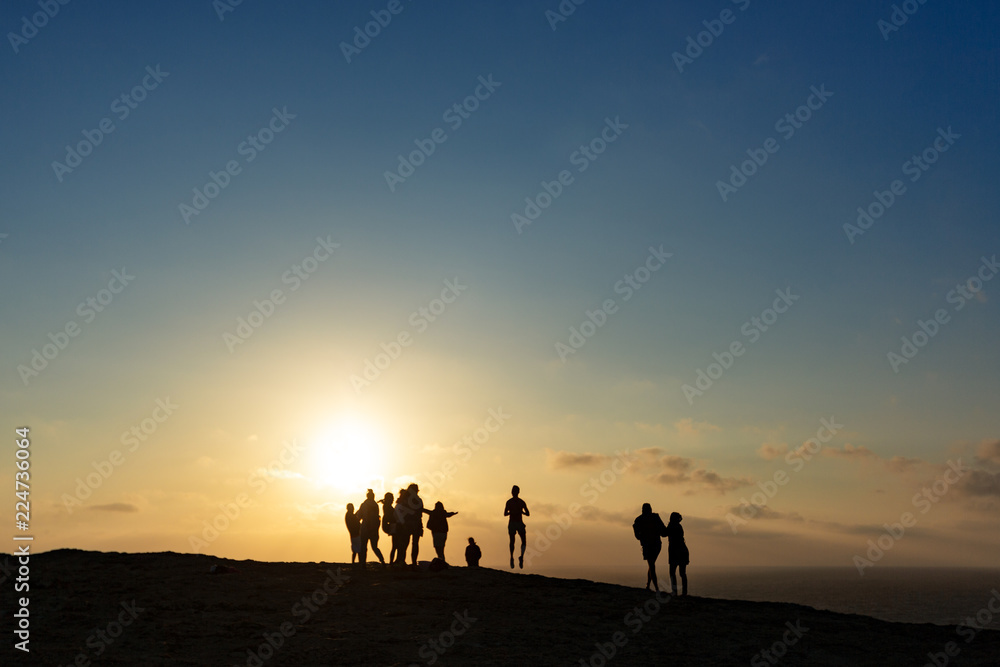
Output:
[[166, 609]]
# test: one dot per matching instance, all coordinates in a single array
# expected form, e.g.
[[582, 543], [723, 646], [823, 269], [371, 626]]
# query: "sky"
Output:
[[732, 259]]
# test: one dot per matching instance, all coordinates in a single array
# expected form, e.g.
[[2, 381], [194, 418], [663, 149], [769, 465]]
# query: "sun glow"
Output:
[[348, 456]]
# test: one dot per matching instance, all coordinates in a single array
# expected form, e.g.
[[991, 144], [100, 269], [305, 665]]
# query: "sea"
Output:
[[943, 596]]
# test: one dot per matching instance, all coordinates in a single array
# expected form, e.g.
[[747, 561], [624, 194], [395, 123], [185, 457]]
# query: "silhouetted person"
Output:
[[515, 508], [648, 528], [414, 519], [401, 536], [677, 553], [437, 523], [389, 523], [472, 554], [369, 527], [353, 522]]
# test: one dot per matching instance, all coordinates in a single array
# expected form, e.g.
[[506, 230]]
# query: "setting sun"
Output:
[[348, 456]]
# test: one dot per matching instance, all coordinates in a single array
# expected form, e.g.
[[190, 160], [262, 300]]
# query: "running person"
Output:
[[515, 508]]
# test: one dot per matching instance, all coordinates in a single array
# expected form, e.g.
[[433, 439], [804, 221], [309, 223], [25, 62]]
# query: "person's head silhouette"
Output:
[[370, 495], [439, 505], [514, 490], [387, 499], [675, 517], [413, 488], [647, 508], [350, 507], [471, 541]]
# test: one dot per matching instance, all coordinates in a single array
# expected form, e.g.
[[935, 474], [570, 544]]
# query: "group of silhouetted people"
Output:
[[403, 522], [648, 528]]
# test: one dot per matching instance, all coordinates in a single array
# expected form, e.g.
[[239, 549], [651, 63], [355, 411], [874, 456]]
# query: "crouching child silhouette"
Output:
[[472, 554]]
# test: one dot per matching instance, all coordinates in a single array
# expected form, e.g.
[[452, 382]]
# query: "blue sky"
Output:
[[656, 184]]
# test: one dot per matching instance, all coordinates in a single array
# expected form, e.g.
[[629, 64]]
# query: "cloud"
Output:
[[658, 467], [901, 463], [562, 460], [769, 452], [765, 512], [896, 464], [585, 513], [978, 483], [683, 472], [434, 449], [689, 428], [988, 452], [850, 452], [115, 507]]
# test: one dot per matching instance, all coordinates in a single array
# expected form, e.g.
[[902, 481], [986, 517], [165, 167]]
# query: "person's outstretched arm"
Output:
[[451, 513]]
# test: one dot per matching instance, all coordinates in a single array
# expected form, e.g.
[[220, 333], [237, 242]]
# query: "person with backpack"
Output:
[[648, 529], [414, 519], [369, 527]]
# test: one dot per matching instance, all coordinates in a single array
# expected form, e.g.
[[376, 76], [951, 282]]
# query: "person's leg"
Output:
[[684, 579], [524, 543], [416, 548], [511, 531], [673, 579], [375, 549]]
